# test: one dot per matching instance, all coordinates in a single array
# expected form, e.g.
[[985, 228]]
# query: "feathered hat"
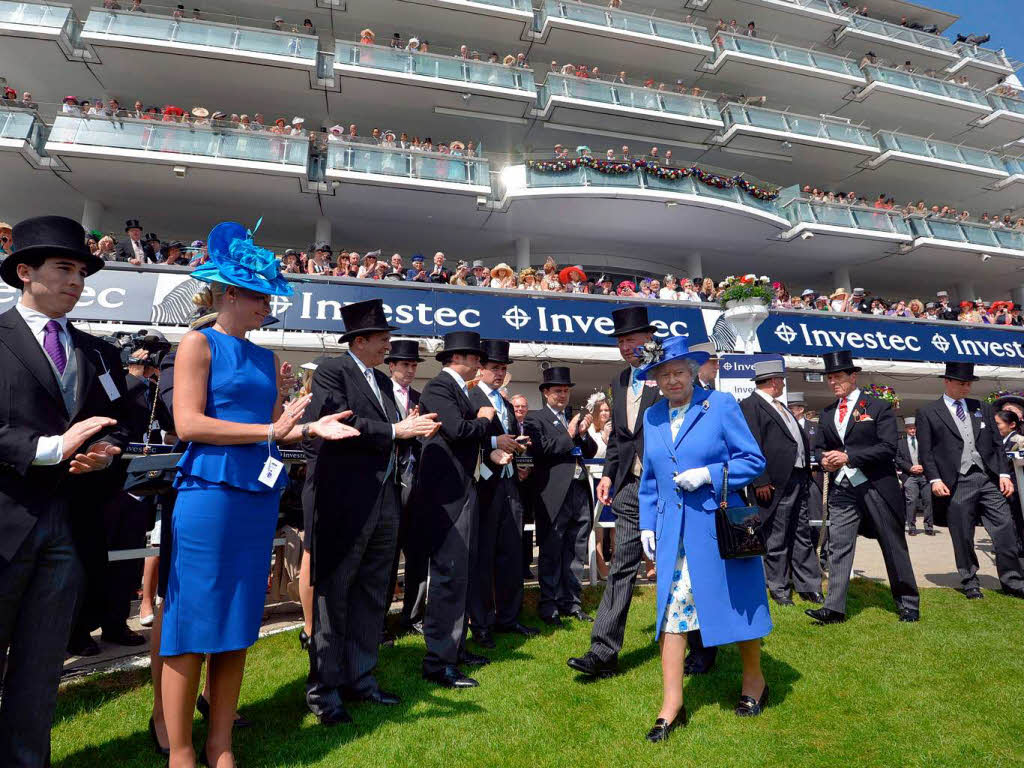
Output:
[[234, 259]]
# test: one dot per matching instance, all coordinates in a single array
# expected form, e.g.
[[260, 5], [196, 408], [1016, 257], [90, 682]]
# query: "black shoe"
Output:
[[973, 593], [580, 615], [165, 751], [517, 628], [812, 597], [748, 706], [909, 615], [553, 621], [912, 532], [335, 717], [376, 696], [123, 636], [83, 647], [303, 640], [1018, 593], [387, 640], [700, 662], [662, 728], [203, 708], [929, 531], [483, 638], [589, 664], [450, 677], [826, 615], [782, 599], [473, 659], [414, 628]]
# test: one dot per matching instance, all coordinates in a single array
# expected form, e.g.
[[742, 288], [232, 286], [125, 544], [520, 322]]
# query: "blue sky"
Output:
[[999, 18]]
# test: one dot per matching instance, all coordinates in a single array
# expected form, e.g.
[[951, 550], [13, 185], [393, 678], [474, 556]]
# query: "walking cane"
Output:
[[824, 511]]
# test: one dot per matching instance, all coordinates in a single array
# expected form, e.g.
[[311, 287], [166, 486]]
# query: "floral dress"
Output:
[[681, 611]]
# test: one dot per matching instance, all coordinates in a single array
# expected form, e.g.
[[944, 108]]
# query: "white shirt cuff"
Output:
[[1003, 474], [394, 432], [49, 450], [936, 480], [494, 443]]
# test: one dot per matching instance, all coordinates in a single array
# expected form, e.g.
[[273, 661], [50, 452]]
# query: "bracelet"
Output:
[[270, 434]]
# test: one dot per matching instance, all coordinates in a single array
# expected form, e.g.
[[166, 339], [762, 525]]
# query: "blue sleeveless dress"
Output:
[[224, 517]]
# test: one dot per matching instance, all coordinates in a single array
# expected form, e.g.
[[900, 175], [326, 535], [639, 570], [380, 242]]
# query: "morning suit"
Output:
[[563, 495], [40, 572], [729, 595], [865, 496], [790, 559], [814, 507], [125, 251], [915, 487], [355, 488], [444, 506], [968, 456]]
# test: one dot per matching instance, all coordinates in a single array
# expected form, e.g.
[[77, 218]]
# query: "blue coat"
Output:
[[729, 594]]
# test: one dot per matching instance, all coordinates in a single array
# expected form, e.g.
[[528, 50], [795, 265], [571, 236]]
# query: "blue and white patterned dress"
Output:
[[680, 612]]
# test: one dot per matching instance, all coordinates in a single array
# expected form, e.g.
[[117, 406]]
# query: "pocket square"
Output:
[[865, 417]]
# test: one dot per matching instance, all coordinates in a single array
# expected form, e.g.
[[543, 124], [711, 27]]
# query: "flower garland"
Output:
[[650, 353], [885, 392], [991, 398], [746, 287], [621, 168]]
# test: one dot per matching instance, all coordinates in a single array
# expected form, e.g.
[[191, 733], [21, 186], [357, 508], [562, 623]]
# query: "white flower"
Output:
[[765, 279], [650, 353], [750, 277]]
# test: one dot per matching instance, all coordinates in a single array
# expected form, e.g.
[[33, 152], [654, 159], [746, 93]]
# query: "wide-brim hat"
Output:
[[404, 350], [495, 351], [528, 272], [839, 292], [556, 376], [502, 270], [459, 342], [960, 371], [839, 362], [457, 145], [234, 259], [673, 348], [1001, 402], [631, 319], [42, 237], [363, 318], [200, 112], [768, 369], [567, 273]]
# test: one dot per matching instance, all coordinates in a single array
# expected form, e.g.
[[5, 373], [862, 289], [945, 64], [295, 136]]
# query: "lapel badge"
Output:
[[706, 404]]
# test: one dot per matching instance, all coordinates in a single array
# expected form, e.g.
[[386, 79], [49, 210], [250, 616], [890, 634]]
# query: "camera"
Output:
[[128, 343]]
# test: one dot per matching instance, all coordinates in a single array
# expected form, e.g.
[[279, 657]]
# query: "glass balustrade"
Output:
[[616, 18], [152, 136], [738, 114], [765, 49], [802, 211], [1014, 166], [632, 96], [32, 15], [825, 6], [15, 124], [902, 34], [210, 34], [997, 58], [1006, 103], [431, 166], [967, 232], [928, 85], [940, 150], [515, 5], [432, 65]]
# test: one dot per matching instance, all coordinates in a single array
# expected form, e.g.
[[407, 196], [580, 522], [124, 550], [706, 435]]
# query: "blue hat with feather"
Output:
[[655, 353], [234, 259]]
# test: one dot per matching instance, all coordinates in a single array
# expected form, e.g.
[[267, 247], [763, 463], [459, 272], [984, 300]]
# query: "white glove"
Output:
[[647, 542], [692, 479]]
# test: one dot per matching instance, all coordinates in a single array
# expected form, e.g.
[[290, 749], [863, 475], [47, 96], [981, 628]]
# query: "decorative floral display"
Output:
[[885, 392], [623, 167], [650, 353], [991, 399], [746, 287]]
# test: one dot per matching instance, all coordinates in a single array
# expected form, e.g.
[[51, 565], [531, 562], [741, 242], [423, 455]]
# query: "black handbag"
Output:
[[739, 529], [154, 471]]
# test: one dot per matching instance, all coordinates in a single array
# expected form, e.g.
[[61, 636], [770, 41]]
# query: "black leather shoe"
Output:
[[589, 664], [782, 599], [203, 708], [335, 717], [123, 636], [700, 662], [517, 628], [473, 659], [376, 696], [973, 594], [483, 638], [387, 640], [812, 597], [303, 640], [415, 628], [909, 615], [1018, 593], [826, 615], [912, 532], [929, 531], [580, 615], [165, 751], [450, 677], [553, 621], [663, 728], [84, 647], [748, 706]]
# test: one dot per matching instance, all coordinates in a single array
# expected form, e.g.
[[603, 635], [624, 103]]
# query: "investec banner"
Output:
[[795, 333]]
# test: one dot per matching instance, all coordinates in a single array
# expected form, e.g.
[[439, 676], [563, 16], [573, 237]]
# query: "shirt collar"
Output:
[[486, 389], [950, 402], [853, 396], [362, 368], [458, 379], [399, 387], [37, 321], [557, 413], [768, 398]]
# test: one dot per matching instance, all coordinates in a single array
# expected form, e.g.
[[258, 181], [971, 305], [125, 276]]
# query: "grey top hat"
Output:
[[909, 421], [796, 398], [768, 369]]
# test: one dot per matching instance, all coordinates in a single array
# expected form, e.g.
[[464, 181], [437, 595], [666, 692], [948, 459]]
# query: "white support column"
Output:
[[841, 279], [1017, 294], [92, 215], [965, 290], [694, 266], [323, 230], [522, 253]]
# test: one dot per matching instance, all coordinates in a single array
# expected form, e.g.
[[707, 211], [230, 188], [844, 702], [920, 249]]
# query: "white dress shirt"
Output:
[[49, 448], [791, 425], [854, 475]]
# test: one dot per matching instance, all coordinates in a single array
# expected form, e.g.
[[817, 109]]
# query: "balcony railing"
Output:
[[765, 49], [33, 15], [432, 65], [902, 34], [23, 125], [1006, 103], [802, 211], [514, 5], [428, 166], [940, 150], [615, 18], [209, 34], [966, 232], [825, 6], [929, 85], [817, 127], [997, 58], [200, 141], [632, 96]]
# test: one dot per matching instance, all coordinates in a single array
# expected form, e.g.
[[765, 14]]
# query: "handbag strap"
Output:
[[724, 503], [152, 415]]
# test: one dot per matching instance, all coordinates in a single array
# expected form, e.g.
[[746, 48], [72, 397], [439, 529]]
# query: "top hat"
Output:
[[796, 398], [41, 237], [132, 224], [768, 369], [556, 376], [1006, 399], [960, 372], [322, 245], [909, 421], [839, 362], [363, 318], [632, 319], [151, 237], [495, 351], [404, 349], [466, 342]]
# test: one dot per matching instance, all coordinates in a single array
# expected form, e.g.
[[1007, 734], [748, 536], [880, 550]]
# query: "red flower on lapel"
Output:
[[862, 404]]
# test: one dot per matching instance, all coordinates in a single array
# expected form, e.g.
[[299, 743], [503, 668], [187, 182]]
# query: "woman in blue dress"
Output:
[[689, 438], [228, 408]]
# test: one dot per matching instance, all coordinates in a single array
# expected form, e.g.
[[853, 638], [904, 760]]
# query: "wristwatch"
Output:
[[305, 430]]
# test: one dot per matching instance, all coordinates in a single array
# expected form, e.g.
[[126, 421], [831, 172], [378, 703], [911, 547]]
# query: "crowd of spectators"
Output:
[[179, 13], [9, 98]]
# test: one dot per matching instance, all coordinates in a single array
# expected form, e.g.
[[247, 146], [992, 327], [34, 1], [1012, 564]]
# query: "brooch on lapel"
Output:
[[650, 383], [977, 414], [706, 405]]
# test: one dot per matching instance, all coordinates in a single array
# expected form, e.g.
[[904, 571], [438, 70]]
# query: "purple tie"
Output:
[[53, 347], [960, 414]]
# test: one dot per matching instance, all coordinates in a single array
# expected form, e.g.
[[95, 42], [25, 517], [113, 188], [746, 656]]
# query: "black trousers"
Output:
[[563, 552], [976, 499], [496, 584], [791, 560], [415, 595], [917, 487]]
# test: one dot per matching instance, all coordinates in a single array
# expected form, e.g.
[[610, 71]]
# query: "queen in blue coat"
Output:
[[689, 437]]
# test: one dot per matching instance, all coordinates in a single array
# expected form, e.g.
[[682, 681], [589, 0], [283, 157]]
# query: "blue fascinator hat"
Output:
[[655, 353], [234, 259]]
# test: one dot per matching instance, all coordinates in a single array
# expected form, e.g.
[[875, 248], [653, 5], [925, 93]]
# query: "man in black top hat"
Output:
[[857, 446], [965, 463], [496, 592], [354, 493], [134, 249], [445, 505], [59, 418], [559, 442]]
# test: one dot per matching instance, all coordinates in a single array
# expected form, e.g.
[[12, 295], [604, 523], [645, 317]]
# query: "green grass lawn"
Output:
[[870, 692]]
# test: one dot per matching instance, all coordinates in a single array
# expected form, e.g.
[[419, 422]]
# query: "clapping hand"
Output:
[[331, 428], [291, 414], [417, 425], [98, 456], [509, 444], [500, 457], [81, 431]]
